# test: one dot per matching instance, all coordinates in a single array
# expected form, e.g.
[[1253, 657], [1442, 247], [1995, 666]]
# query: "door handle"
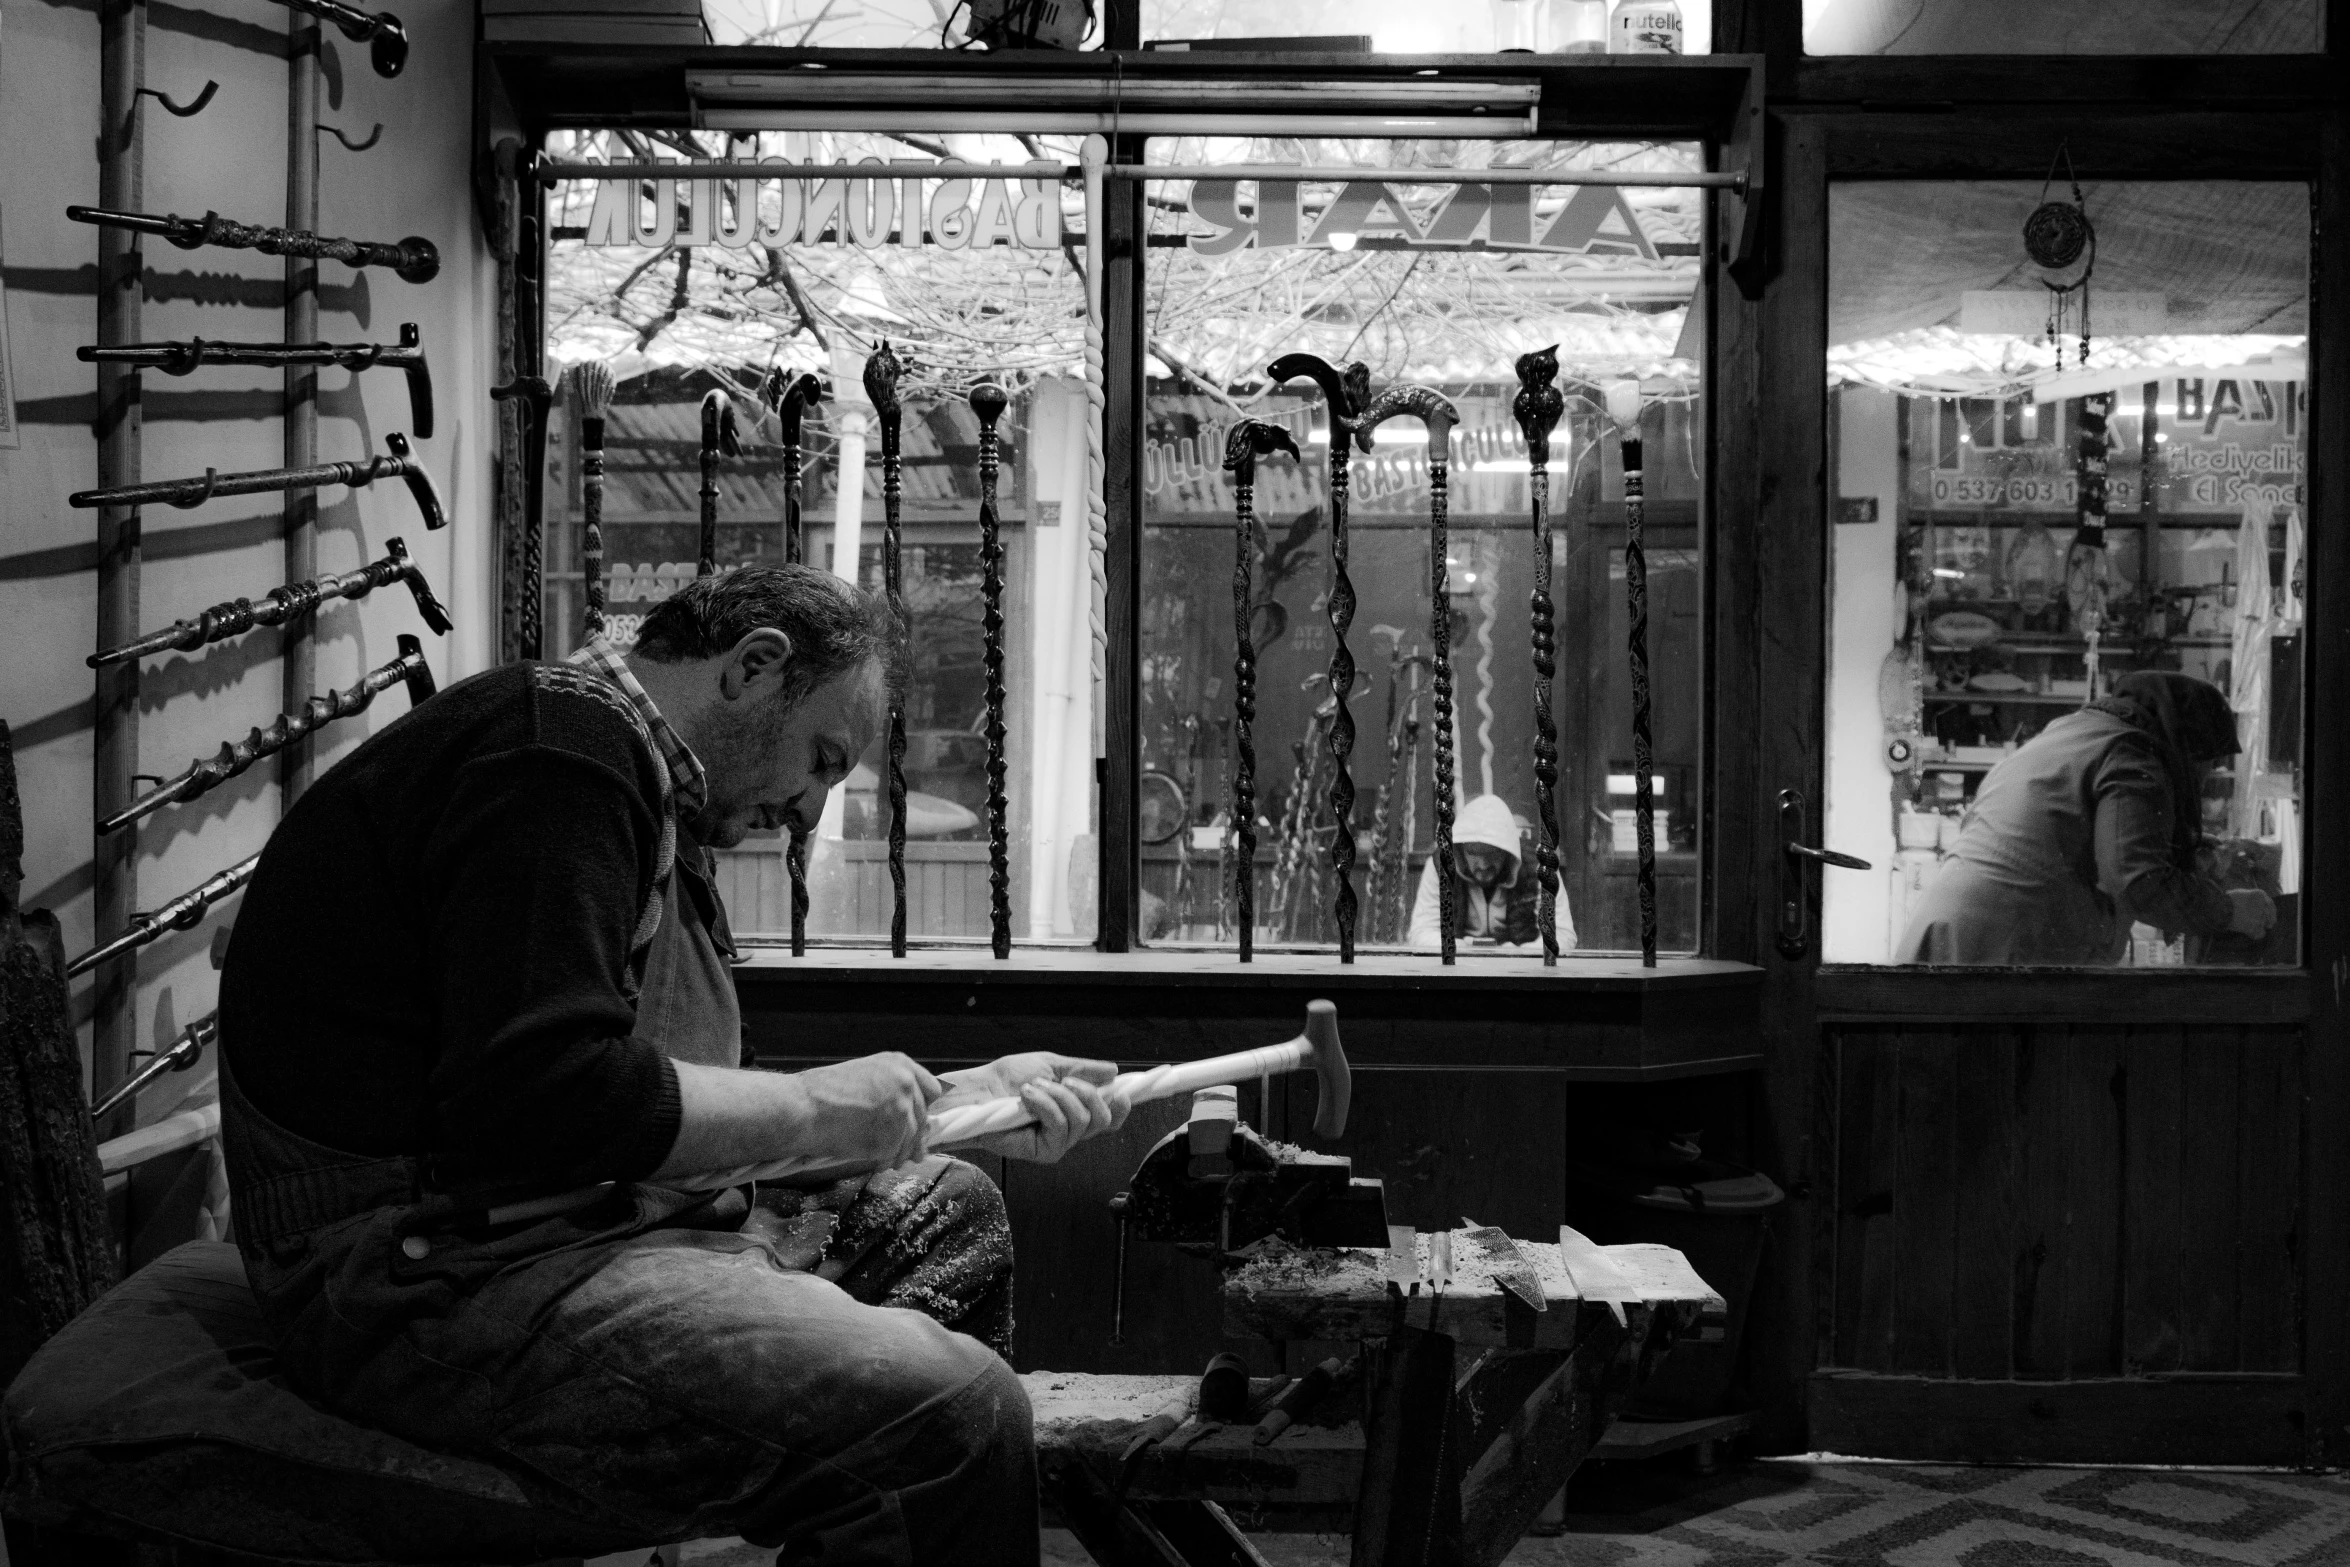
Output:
[[1829, 857], [1794, 885]]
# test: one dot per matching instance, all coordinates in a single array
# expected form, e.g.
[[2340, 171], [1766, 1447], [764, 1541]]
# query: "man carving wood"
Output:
[[482, 963]]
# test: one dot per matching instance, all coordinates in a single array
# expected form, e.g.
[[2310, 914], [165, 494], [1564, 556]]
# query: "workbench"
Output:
[[1470, 1411]]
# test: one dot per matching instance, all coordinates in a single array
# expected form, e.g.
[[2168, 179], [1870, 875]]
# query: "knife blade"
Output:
[[1510, 1267]]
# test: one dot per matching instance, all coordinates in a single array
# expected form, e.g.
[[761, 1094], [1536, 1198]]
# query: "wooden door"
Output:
[[2037, 1215]]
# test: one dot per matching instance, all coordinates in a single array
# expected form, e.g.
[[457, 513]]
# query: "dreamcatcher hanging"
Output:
[[2058, 236]]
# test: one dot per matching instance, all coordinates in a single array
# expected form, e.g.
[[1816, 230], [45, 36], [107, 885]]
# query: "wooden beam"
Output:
[[1789, 526]]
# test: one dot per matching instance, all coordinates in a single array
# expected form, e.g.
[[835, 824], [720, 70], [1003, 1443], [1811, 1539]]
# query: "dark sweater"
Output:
[[434, 955]]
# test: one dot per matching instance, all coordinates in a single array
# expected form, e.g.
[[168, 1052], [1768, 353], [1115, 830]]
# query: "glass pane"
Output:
[[1443, 285], [679, 319], [894, 24], [2069, 27], [2066, 645], [1402, 27]]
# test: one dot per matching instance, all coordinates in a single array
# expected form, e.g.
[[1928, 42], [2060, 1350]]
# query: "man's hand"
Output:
[[874, 1110], [1064, 1093]]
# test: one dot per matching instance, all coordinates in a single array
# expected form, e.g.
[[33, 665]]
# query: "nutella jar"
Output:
[[1645, 27]]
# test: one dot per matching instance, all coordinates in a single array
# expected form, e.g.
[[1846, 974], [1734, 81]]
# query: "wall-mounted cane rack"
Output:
[[122, 490]]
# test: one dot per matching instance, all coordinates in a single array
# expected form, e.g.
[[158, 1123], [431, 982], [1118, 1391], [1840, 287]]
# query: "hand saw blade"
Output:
[[1509, 1266]]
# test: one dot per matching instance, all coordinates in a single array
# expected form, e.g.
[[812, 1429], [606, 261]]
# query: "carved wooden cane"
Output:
[[1623, 406], [280, 605], [184, 912], [1343, 393], [1436, 411], [192, 492], [536, 397], [184, 358], [882, 373], [792, 399], [719, 439], [988, 402], [386, 39], [592, 385], [414, 259], [1537, 407], [202, 776], [1247, 441]]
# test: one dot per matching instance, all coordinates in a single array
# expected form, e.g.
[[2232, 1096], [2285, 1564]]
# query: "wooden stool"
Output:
[[1478, 1411]]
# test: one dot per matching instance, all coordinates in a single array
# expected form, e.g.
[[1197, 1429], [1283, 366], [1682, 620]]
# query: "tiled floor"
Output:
[[1793, 1513]]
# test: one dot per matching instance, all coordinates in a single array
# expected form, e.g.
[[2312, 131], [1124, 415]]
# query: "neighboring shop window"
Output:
[[1443, 286], [2068, 27], [1402, 27], [966, 280], [2068, 573]]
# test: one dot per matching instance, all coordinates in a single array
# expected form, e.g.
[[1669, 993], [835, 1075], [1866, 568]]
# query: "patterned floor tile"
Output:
[[1786, 1513], [1783, 1513]]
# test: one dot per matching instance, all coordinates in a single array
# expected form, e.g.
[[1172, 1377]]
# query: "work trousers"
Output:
[[682, 1369]]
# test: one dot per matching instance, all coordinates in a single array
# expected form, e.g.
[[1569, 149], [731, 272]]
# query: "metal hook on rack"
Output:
[[211, 482], [373, 136], [187, 111]]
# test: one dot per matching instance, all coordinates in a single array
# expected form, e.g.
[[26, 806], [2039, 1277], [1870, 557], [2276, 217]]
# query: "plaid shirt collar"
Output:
[[688, 781]]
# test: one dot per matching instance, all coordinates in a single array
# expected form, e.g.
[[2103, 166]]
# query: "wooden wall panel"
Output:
[[1925, 1185], [2155, 1188], [1866, 1150], [2268, 1205], [2208, 1134], [1982, 1294], [2067, 1203]]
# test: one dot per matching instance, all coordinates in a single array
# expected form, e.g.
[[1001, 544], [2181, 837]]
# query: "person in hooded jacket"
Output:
[[1494, 895], [2093, 824]]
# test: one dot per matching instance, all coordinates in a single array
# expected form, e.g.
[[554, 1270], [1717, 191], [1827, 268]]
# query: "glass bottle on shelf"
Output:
[[1578, 26], [1517, 26]]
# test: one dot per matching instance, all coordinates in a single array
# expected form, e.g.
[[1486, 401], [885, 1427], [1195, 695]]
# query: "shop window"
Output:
[[2069, 562], [1444, 285], [966, 280], [2073, 27]]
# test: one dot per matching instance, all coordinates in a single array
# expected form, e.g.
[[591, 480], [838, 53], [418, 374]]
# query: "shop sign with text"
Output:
[[898, 206], [1595, 221]]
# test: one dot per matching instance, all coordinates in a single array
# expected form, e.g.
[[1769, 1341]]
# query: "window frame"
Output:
[[1715, 100]]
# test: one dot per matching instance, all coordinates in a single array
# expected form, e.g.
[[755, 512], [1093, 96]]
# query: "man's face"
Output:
[[1481, 863], [772, 765]]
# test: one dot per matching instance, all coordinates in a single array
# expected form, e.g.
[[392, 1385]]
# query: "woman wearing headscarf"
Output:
[[1493, 895], [2092, 824]]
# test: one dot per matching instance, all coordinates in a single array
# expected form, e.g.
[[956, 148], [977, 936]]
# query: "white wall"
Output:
[[1864, 609], [230, 158]]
